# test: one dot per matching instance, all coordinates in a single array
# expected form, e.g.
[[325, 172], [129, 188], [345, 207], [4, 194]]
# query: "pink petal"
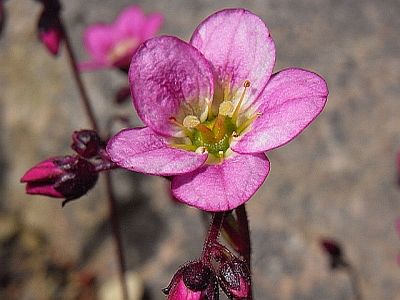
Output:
[[130, 22], [238, 45], [169, 77], [180, 292], [98, 40], [93, 65], [44, 189], [224, 186], [152, 26], [142, 150], [42, 171], [290, 102]]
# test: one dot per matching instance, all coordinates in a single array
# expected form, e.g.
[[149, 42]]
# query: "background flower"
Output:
[[112, 45]]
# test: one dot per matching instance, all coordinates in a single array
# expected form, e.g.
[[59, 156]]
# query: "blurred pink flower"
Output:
[[112, 45], [212, 108]]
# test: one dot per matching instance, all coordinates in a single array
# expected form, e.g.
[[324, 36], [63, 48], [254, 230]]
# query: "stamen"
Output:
[[225, 108], [201, 150], [185, 130], [227, 88], [190, 121], [184, 147], [247, 123], [235, 114]]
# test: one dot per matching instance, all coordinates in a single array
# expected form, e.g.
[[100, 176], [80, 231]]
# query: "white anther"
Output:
[[201, 150], [226, 108], [191, 121]]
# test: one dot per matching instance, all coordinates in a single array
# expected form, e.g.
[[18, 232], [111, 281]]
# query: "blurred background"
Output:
[[337, 179]]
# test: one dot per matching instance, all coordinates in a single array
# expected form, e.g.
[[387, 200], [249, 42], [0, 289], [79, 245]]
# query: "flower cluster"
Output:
[[201, 279], [212, 107]]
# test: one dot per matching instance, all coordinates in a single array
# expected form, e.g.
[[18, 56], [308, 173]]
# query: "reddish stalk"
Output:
[[245, 250], [112, 203], [212, 235]]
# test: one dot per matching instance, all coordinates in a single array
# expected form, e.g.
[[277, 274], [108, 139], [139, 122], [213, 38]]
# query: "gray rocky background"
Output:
[[337, 179]]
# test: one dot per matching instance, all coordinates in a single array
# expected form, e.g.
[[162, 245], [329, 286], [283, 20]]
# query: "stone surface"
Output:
[[337, 179]]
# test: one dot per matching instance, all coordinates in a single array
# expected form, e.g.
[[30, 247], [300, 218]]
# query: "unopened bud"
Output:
[[335, 253], [68, 177], [194, 281], [49, 30], [86, 143], [234, 278]]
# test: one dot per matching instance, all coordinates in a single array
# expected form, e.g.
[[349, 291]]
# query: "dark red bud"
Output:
[[68, 177], [86, 143], [2, 16], [234, 278], [49, 30], [334, 251], [194, 281]]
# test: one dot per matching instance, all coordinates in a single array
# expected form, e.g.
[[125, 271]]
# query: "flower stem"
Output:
[[112, 203], [212, 235], [78, 79], [354, 281], [245, 250]]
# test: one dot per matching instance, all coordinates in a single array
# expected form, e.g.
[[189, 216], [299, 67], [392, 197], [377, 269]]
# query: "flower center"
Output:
[[215, 133], [122, 49]]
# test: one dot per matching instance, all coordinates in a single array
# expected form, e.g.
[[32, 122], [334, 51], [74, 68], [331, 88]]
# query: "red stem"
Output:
[[245, 250], [212, 235], [112, 203]]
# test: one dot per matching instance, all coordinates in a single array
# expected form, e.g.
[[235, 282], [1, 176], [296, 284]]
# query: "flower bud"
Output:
[[194, 281], [2, 16], [86, 143], [68, 177], [49, 28], [333, 249], [234, 278]]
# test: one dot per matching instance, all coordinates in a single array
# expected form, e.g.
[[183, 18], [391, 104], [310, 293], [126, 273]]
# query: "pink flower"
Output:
[[212, 108], [113, 45]]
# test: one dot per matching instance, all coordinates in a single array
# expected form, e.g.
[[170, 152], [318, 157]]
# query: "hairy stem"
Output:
[[213, 233], [112, 203]]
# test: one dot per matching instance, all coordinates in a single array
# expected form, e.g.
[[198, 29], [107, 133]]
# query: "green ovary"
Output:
[[218, 137]]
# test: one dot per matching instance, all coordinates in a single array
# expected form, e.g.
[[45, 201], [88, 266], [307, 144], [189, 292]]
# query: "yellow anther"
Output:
[[225, 108], [191, 121]]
